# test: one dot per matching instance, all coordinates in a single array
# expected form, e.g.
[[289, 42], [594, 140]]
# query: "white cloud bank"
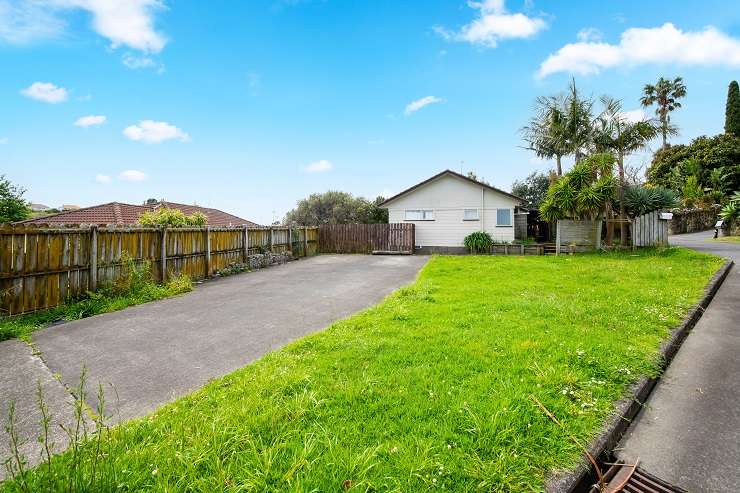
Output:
[[46, 92], [415, 106], [153, 132], [105, 179], [132, 175], [123, 22], [90, 121], [638, 46], [319, 166], [493, 24]]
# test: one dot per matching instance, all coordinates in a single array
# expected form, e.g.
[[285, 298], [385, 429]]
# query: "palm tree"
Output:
[[561, 126], [546, 132], [614, 133], [579, 124], [665, 95]]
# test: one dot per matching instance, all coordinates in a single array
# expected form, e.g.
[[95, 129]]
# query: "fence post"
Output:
[[246, 244], [269, 246], [305, 241], [208, 251], [163, 258], [93, 281], [290, 240], [557, 238]]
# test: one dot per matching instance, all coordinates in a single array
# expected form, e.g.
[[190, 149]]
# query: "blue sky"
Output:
[[249, 106]]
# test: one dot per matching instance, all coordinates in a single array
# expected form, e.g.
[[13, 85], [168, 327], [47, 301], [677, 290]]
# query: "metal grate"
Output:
[[627, 479]]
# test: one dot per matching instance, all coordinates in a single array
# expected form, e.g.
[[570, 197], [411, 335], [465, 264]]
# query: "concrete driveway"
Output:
[[156, 352]]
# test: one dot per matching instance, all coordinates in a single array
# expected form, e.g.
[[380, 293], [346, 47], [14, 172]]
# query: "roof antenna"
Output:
[[462, 163]]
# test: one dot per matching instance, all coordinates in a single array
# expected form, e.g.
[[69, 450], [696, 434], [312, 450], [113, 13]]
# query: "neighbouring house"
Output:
[[38, 207], [449, 206], [118, 213]]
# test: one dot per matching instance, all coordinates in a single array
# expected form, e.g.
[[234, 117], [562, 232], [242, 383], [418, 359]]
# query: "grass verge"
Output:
[[727, 239], [135, 287], [428, 390]]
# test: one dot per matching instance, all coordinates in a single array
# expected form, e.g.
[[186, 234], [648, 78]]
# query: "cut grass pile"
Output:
[[106, 300], [428, 390]]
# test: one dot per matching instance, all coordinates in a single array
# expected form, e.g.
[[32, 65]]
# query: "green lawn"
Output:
[[428, 390]]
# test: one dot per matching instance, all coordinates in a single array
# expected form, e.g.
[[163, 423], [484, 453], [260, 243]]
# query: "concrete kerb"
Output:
[[628, 408]]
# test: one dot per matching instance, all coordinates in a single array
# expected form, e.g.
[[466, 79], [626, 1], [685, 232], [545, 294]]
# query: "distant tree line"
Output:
[[334, 207]]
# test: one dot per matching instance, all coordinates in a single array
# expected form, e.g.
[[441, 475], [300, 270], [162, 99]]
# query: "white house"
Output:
[[448, 206]]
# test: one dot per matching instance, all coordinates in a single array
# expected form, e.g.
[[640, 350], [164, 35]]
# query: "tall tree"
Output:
[[614, 133], [546, 132], [532, 189], [335, 207], [732, 110], [579, 118], [665, 95], [12, 205], [560, 127]]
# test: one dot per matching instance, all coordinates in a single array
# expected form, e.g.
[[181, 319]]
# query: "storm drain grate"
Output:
[[628, 479]]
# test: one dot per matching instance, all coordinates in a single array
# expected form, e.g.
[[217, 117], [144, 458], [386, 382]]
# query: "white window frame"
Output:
[[511, 219], [423, 215], [477, 214]]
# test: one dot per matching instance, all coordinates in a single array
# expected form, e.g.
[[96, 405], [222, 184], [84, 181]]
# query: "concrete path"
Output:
[[21, 372], [688, 433]]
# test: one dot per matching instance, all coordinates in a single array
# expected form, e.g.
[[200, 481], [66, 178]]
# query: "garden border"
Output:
[[629, 407]]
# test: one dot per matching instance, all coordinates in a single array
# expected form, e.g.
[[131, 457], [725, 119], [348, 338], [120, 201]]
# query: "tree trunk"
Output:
[[622, 215], [560, 167]]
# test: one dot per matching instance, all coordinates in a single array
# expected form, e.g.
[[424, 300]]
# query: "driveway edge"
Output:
[[628, 407]]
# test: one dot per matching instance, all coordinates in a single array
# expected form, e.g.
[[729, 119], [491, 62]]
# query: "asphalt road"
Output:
[[688, 433]]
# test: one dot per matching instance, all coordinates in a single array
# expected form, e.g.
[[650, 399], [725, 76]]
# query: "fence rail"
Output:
[[367, 238], [41, 267]]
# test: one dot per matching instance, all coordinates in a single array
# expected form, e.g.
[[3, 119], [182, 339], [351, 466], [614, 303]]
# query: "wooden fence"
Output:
[[367, 238], [650, 230], [41, 267]]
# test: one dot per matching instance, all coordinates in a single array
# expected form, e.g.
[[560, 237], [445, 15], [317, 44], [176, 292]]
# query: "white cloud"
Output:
[[319, 166], [152, 132], [589, 34], [415, 106], [27, 21], [3, 141], [123, 22], [493, 24], [638, 46], [132, 175], [102, 179], [46, 92], [634, 116], [90, 121]]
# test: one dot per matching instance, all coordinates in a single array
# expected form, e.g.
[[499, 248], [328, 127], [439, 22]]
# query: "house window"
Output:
[[419, 215], [503, 217], [470, 215]]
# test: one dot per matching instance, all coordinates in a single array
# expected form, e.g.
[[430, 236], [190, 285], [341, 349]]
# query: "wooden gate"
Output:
[[650, 230], [395, 238]]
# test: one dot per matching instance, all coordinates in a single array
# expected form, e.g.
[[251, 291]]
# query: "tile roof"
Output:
[[117, 213]]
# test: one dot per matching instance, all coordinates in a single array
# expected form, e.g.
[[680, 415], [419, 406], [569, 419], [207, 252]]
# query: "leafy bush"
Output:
[[172, 217], [641, 200], [582, 192], [709, 153], [478, 242]]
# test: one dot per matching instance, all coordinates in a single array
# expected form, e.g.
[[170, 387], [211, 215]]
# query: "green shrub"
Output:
[[478, 242], [641, 200], [172, 217]]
